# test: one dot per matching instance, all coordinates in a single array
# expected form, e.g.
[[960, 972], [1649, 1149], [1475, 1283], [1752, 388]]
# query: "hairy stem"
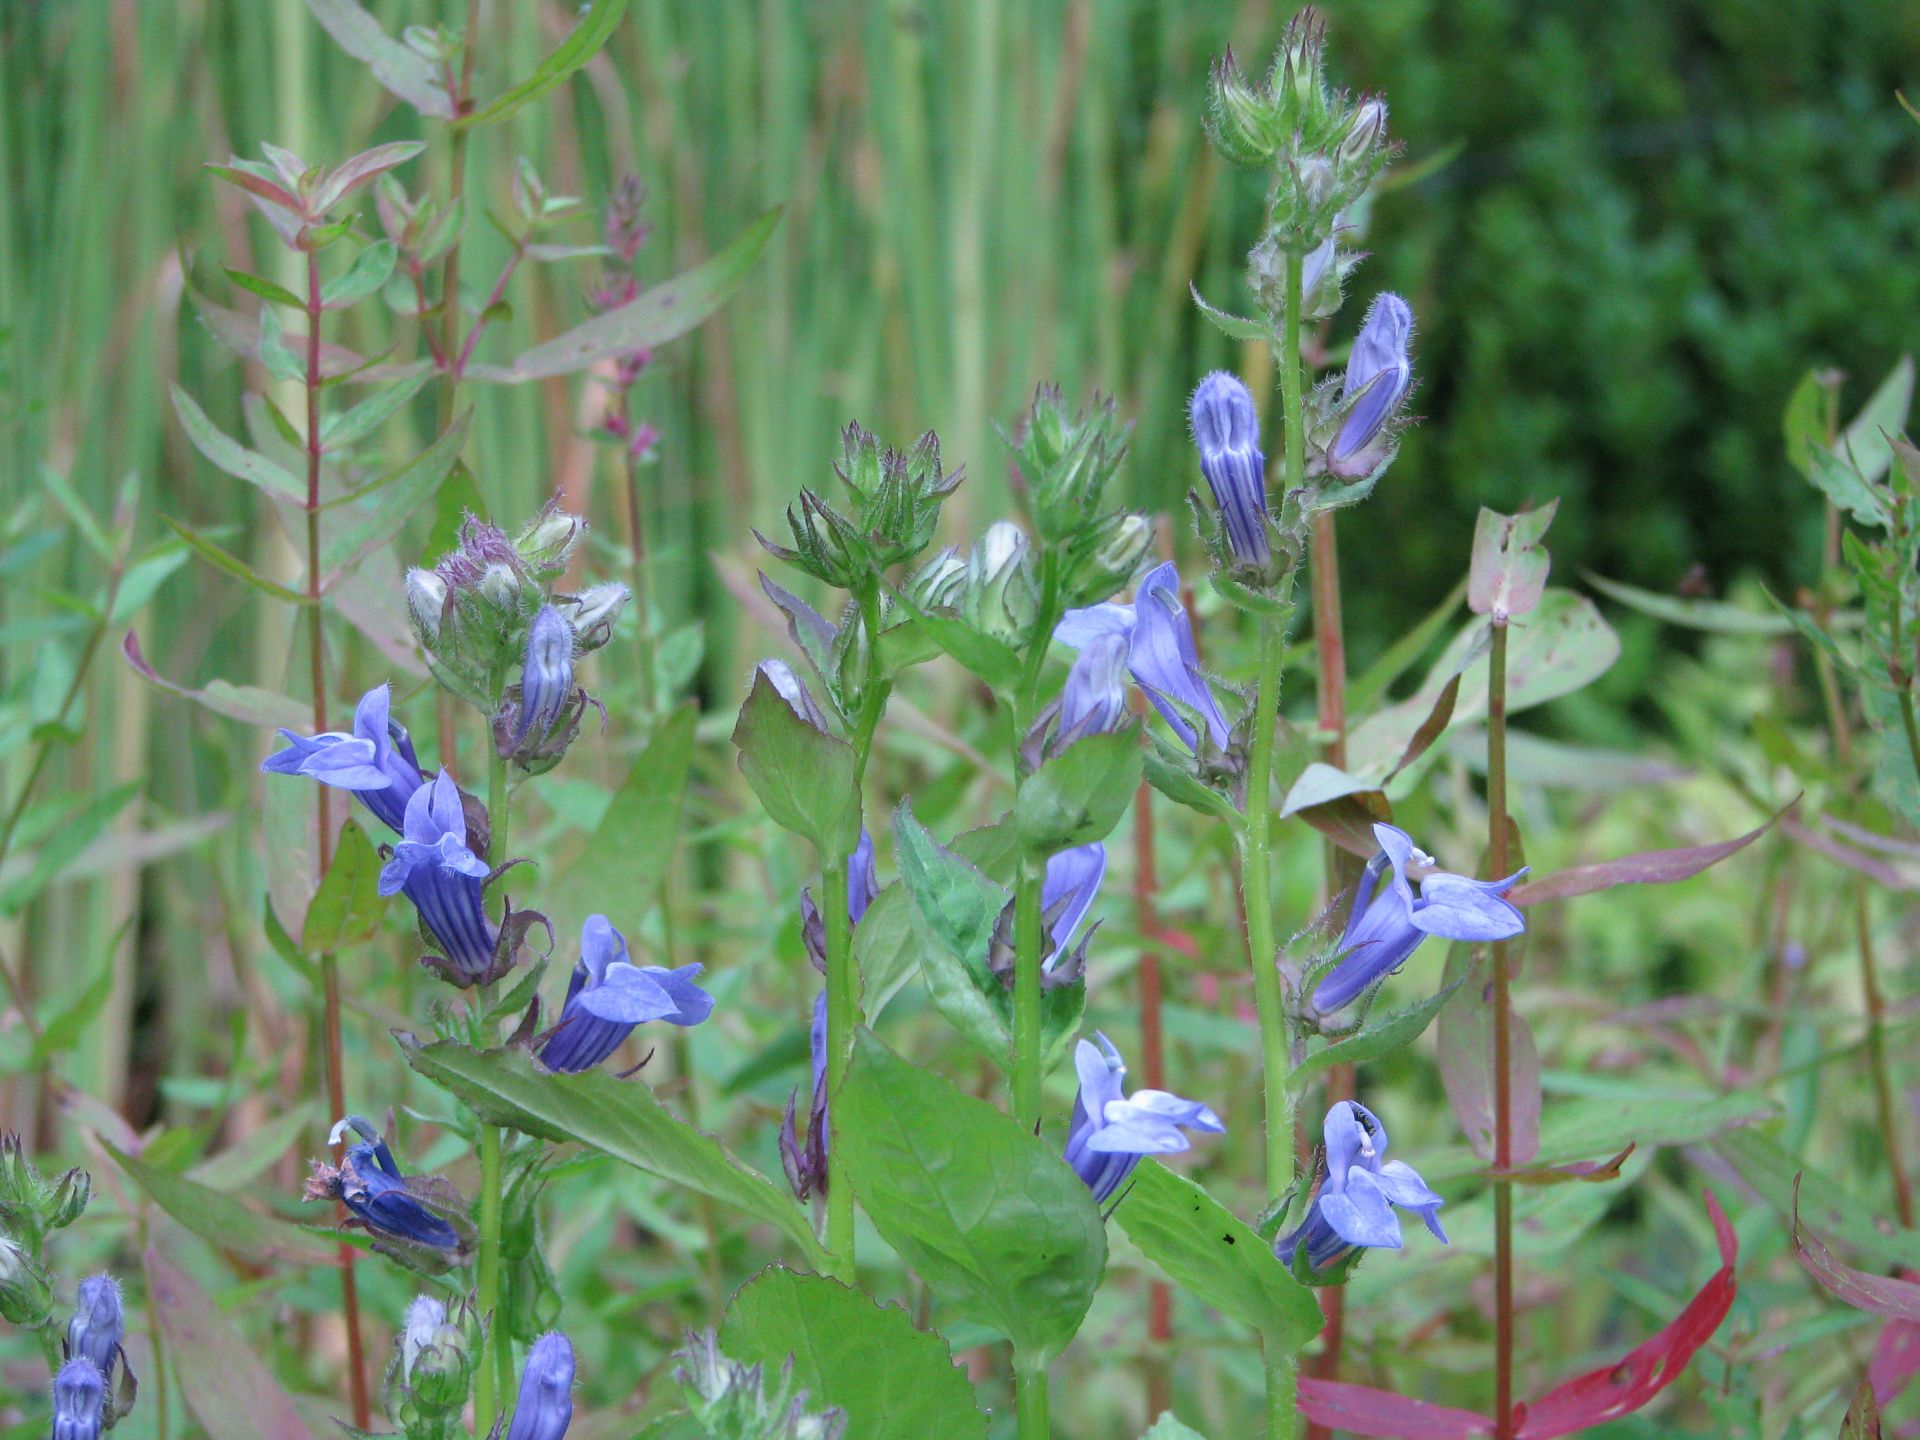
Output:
[[329, 966], [840, 1022], [1256, 882], [1502, 1043], [1030, 1401], [490, 1379], [1027, 929], [1283, 1390]]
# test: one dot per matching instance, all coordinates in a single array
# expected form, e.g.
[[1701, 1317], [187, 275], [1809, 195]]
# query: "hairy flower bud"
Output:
[[1379, 373], [426, 604], [545, 1407], [98, 1322], [1367, 132], [26, 1299], [435, 1365], [549, 539], [1000, 598], [546, 676], [1104, 558], [596, 613], [941, 581], [79, 1401], [1226, 428], [500, 585]]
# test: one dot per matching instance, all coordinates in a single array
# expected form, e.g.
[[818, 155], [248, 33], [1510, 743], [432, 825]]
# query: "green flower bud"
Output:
[[426, 604], [67, 1198], [549, 539], [1105, 558], [1000, 597], [26, 1297]]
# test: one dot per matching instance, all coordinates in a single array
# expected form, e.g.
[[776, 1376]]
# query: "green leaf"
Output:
[[1842, 483], [1167, 776], [222, 1221], [805, 779], [221, 1380], [233, 565], [894, 1381], [1865, 441], [404, 71], [954, 910], [1373, 684], [369, 271], [988, 1215], [265, 289], [280, 361], [1804, 426], [1509, 567], [1716, 617], [246, 703], [81, 822], [580, 46], [233, 457], [1078, 796], [68, 499], [1233, 327], [1208, 1251], [621, 1118], [625, 862], [337, 432], [384, 505], [1896, 780], [64, 1029], [1824, 1203], [664, 313], [992, 660], [348, 907], [1377, 1038]]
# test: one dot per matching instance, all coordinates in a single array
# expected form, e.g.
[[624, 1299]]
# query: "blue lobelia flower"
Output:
[[546, 676], [1226, 429], [545, 1407], [1358, 1189], [376, 761], [609, 995], [1379, 374], [417, 1211], [1385, 926], [79, 1400], [1071, 885], [1111, 1130], [98, 1323], [1094, 699], [806, 1161], [1160, 652], [435, 868]]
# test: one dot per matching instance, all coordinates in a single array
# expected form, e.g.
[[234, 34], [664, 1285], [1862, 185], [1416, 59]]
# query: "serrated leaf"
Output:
[[233, 457], [805, 780], [1183, 788], [663, 313], [348, 907], [401, 69], [1232, 326], [1078, 796], [894, 1381], [991, 1217], [954, 908], [1210, 1253], [581, 45]]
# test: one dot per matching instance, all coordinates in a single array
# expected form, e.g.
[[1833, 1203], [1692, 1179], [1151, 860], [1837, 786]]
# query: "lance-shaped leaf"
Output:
[[246, 703], [228, 1390], [233, 457], [227, 562], [371, 269], [1078, 796], [1650, 867], [348, 907], [664, 313], [894, 1381], [805, 779], [1466, 1063], [403, 70], [345, 178], [1896, 1359], [1340, 806], [1591, 1172], [224, 1222], [1209, 1252], [620, 870], [988, 1215], [380, 508], [1508, 572], [1716, 617], [242, 335], [1376, 1038], [621, 1118], [1234, 327], [1878, 1294], [1362, 1410], [580, 46]]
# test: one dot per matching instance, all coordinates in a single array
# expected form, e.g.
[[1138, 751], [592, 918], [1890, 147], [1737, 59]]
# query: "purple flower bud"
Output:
[[546, 677], [98, 1323], [79, 1400], [545, 1407], [1094, 700], [1358, 1189], [1112, 1130], [1379, 374], [375, 761], [609, 995], [1227, 431]]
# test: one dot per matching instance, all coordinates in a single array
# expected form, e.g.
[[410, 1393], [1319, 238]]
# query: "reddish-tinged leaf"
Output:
[[1431, 728], [1339, 806], [1863, 1415], [229, 1391], [1508, 572], [245, 703], [1878, 871], [1360, 1410], [1650, 867], [367, 166], [257, 185], [1647, 1369], [1896, 1359], [1879, 1294], [403, 70], [1592, 1172], [1465, 1045]]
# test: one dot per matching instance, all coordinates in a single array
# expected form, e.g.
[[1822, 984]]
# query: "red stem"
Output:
[[493, 299], [329, 968]]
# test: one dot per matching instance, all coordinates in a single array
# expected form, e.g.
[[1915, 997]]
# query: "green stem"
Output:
[[1283, 1387], [1913, 727], [490, 1381], [496, 807], [1256, 870], [1502, 1044], [1026, 991], [841, 1002], [1030, 1402]]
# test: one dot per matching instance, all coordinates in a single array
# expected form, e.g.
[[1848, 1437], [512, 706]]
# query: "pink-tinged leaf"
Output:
[[1592, 1172], [1647, 1369], [1508, 573], [1877, 1294], [404, 71], [245, 703], [229, 1391], [363, 169], [1465, 1044], [257, 185], [1431, 728], [1879, 871], [1862, 1420], [1361, 1410], [581, 45], [1650, 867], [1896, 1359], [241, 334], [1338, 805]]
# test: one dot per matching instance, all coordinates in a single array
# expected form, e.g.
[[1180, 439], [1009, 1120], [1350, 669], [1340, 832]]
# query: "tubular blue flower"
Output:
[[609, 995], [1094, 699], [375, 761], [1358, 1189], [806, 1161], [545, 1407], [1066, 894], [1386, 926], [443, 878], [1226, 429], [1160, 652], [382, 1197], [79, 1400], [98, 1323], [546, 676], [1378, 375], [1112, 1130]]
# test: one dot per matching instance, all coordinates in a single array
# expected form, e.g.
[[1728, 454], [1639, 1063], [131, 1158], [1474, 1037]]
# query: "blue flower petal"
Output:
[[1361, 1214]]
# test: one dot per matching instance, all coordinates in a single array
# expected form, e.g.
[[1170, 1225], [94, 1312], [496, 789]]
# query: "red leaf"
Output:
[[1593, 1172], [1359, 1410], [1896, 1359], [1650, 867], [1879, 1294], [1643, 1372]]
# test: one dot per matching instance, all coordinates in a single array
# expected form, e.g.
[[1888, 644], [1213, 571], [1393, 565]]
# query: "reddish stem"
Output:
[[329, 968], [1502, 1043], [493, 299]]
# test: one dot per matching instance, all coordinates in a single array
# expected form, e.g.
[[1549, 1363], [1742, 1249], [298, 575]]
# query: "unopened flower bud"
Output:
[[550, 539], [69, 1199], [434, 1362], [545, 1407], [1379, 373], [98, 1323], [999, 589], [25, 1297], [1368, 130], [1226, 428], [79, 1401], [425, 1316], [941, 581], [546, 676], [1106, 558], [426, 604], [596, 612], [500, 585]]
